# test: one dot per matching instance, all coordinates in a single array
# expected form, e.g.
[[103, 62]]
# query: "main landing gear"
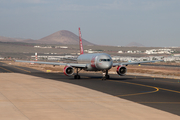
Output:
[[76, 76], [105, 75]]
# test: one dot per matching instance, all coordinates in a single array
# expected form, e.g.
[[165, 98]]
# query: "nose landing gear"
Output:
[[105, 75]]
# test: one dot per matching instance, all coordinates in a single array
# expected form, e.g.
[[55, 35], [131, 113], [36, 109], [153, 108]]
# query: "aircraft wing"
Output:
[[71, 59], [55, 63], [133, 63]]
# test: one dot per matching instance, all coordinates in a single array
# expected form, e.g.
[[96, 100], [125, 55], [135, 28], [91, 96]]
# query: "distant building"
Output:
[[42, 46], [136, 51], [62, 47], [90, 51], [159, 51], [166, 59], [120, 51], [43, 57]]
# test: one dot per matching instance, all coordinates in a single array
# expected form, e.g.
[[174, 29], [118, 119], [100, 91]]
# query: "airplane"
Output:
[[91, 62]]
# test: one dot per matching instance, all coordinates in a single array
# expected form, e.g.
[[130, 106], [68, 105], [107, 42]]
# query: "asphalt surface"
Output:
[[159, 93]]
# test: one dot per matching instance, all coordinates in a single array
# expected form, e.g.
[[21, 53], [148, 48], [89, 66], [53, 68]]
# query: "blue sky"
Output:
[[107, 22]]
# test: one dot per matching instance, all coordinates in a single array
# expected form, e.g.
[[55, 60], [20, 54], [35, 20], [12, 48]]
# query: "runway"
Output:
[[159, 93]]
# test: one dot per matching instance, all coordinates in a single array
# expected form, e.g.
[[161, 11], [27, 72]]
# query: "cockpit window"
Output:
[[104, 60]]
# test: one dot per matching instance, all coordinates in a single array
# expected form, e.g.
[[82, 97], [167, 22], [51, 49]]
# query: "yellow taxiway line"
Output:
[[6, 69], [22, 69], [157, 89]]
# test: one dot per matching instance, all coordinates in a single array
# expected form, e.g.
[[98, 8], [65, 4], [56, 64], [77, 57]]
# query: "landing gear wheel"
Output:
[[77, 77], [103, 78], [107, 76]]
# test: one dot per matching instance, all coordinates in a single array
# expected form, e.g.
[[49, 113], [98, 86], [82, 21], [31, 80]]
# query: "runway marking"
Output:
[[153, 87], [6, 69], [157, 88], [141, 93], [22, 69], [161, 88], [169, 90]]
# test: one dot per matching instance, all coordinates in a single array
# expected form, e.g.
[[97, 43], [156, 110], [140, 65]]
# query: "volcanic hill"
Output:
[[62, 37]]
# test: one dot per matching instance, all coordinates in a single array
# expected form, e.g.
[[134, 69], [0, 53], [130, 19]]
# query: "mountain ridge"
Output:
[[134, 44], [59, 37]]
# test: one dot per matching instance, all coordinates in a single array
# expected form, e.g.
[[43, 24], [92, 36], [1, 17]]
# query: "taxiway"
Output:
[[157, 93]]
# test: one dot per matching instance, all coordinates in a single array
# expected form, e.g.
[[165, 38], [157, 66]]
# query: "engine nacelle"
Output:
[[68, 70], [121, 70]]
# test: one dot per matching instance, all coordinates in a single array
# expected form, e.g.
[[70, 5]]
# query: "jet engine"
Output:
[[68, 70], [121, 70]]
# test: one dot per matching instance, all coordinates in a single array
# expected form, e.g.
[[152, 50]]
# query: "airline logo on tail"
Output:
[[80, 43]]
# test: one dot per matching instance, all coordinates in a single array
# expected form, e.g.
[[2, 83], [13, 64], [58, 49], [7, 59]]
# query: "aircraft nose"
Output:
[[104, 62], [105, 65]]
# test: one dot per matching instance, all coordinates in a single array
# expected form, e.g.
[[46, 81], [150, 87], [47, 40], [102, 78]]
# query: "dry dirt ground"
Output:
[[155, 70], [168, 71]]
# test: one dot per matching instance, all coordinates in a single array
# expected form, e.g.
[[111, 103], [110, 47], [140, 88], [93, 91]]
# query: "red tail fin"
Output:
[[36, 57], [80, 43]]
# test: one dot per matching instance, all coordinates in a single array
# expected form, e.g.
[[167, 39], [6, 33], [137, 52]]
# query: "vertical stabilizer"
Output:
[[80, 42], [36, 57]]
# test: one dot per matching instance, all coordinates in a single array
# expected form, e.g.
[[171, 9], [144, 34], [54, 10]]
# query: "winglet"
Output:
[[80, 42]]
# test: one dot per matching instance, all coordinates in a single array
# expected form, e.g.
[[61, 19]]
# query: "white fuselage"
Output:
[[96, 61]]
